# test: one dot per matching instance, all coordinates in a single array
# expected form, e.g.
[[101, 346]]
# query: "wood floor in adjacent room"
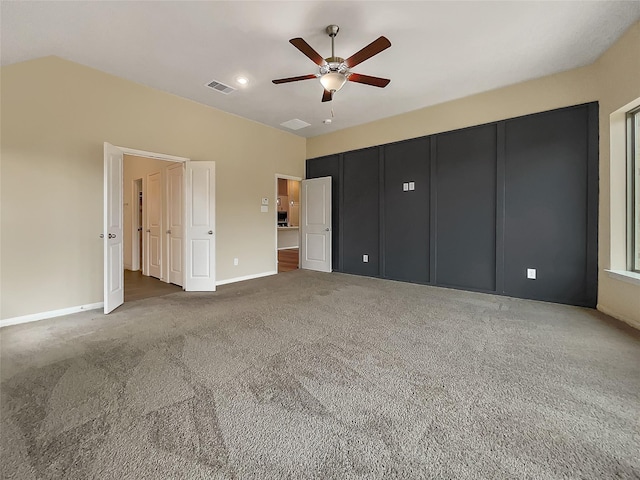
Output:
[[288, 260], [138, 286]]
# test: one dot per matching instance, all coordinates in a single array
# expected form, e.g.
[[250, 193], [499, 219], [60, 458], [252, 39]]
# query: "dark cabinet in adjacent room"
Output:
[[466, 208], [547, 219], [360, 213], [329, 166], [406, 210]]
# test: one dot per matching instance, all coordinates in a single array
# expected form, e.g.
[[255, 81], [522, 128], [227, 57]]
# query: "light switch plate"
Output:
[[531, 273], [412, 186], [264, 209], [365, 258], [405, 187], [265, 201]]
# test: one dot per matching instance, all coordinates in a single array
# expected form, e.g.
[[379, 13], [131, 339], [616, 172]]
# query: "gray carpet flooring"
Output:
[[327, 376]]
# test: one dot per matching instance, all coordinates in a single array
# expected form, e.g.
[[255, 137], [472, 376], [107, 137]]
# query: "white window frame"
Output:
[[618, 195]]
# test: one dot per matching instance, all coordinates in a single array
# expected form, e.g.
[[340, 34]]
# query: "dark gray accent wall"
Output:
[[329, 166], [360, 212], [489, 202], [546, 206], [406, 213], [466, 208]]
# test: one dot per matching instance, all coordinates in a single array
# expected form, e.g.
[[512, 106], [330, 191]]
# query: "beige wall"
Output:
[[618, 71], [55, 117], [613, 80]]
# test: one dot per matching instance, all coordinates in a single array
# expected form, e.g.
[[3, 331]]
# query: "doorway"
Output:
[[196, 188], [287, 223], [153, 227]]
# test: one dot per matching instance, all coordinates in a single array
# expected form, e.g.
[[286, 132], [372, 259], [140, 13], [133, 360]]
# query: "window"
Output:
[[633, 190]]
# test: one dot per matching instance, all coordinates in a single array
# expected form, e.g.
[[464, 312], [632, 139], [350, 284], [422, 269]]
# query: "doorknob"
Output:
[[148, 231], [102, 235], [112, 235], [327, 229], [168, 232], [210, 232]]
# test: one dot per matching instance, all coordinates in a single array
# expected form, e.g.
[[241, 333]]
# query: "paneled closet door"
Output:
[[466, 165], [546, 194], [361, 213], [406, 210]]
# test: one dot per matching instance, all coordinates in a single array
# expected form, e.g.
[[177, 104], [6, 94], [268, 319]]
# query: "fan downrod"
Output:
[[332, 31]]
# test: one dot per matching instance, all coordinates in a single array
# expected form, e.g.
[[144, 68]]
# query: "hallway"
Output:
[[138, 286], [287, 260]]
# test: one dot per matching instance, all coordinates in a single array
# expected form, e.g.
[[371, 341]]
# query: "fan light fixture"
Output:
[[333, 81], [334, 71]]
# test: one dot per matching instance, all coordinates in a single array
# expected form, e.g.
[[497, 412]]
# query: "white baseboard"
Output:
[[34, 317], [622, 318], [246, 277]]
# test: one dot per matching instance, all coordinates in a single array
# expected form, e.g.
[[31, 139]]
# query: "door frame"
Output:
[[275, 213], [157, 156]]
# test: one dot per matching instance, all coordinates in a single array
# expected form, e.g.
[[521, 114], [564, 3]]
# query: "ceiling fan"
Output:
[[334, 71]]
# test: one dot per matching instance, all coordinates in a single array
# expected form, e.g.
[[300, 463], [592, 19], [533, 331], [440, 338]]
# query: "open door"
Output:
[[175, 215], [153, 217], [315, 245], [112, 231], [200, 267]]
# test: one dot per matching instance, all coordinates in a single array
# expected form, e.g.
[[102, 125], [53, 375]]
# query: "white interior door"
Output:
[[200, 251], [315, 245], [154, 224], [113, 231], [175, 224]]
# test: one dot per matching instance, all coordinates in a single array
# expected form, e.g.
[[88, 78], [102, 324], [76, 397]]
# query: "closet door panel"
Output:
[[406, 213], [546, 206], [466, 208], [360, 212]]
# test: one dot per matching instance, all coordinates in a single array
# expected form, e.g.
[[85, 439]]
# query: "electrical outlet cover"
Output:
[[531, 273]]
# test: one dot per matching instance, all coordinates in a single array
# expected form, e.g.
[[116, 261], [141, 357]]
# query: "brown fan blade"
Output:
[[368, 80], [367, 52], [294, 79], [327, 96], [305, 48]]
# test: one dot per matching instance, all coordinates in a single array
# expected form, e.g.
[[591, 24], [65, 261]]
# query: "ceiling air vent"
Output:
[[221, 87], [295, 124]]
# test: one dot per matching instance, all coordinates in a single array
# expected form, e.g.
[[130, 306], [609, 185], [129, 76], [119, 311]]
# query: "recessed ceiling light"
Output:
[[242, 80]]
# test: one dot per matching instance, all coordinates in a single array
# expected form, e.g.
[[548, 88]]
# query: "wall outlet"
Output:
[[405, 187], [365, 258], [235, 262], [265, 201], [531, 273], [412, 186]]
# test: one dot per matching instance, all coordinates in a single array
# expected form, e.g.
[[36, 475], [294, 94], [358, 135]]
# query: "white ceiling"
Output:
[[440, 50]]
